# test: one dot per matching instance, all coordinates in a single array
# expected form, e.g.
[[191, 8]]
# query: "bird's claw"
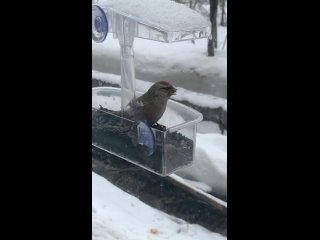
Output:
[[159, 127]]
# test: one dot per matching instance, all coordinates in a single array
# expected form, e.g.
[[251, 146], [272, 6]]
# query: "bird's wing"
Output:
[[136, 103]]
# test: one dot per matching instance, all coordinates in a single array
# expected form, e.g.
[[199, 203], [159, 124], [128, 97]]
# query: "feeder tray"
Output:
[[174, 146]]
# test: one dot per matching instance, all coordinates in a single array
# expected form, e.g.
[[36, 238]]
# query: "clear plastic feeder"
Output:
[[174, 147], [161, 152]]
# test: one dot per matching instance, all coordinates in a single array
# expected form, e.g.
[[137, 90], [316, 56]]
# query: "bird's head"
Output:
[[165, 87]]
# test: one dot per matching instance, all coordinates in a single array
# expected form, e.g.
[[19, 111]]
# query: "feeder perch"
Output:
[[159, 151]]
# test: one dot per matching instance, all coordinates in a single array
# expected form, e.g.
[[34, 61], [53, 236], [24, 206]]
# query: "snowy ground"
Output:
[[210, 163], [184, 64], [116, 215]]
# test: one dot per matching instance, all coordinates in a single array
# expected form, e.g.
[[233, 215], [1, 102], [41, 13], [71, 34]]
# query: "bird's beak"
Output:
[[173, 91]]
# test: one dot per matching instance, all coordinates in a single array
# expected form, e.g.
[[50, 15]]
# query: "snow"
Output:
[[210, 162], [116, 215], [225, 107], [200, 99], [161, 14], [198, 187], [209, 127], [111, 103], [183, 63]]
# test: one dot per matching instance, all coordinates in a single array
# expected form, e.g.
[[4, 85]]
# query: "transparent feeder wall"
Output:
[[174, 147]]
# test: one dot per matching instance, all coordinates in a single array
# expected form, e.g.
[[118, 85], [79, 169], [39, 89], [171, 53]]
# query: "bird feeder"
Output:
[[161, 151]]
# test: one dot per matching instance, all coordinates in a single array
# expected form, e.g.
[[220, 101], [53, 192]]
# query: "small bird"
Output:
[[150, 106]]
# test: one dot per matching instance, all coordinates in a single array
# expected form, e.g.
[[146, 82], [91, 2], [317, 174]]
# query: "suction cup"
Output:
[[143, 138], [99, 24]]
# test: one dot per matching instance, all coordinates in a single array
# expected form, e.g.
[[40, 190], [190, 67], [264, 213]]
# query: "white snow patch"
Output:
[[210, 162], [195, 186], [116, 215], [206, 127], [111, 103], [160, 58], [163, 14]]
